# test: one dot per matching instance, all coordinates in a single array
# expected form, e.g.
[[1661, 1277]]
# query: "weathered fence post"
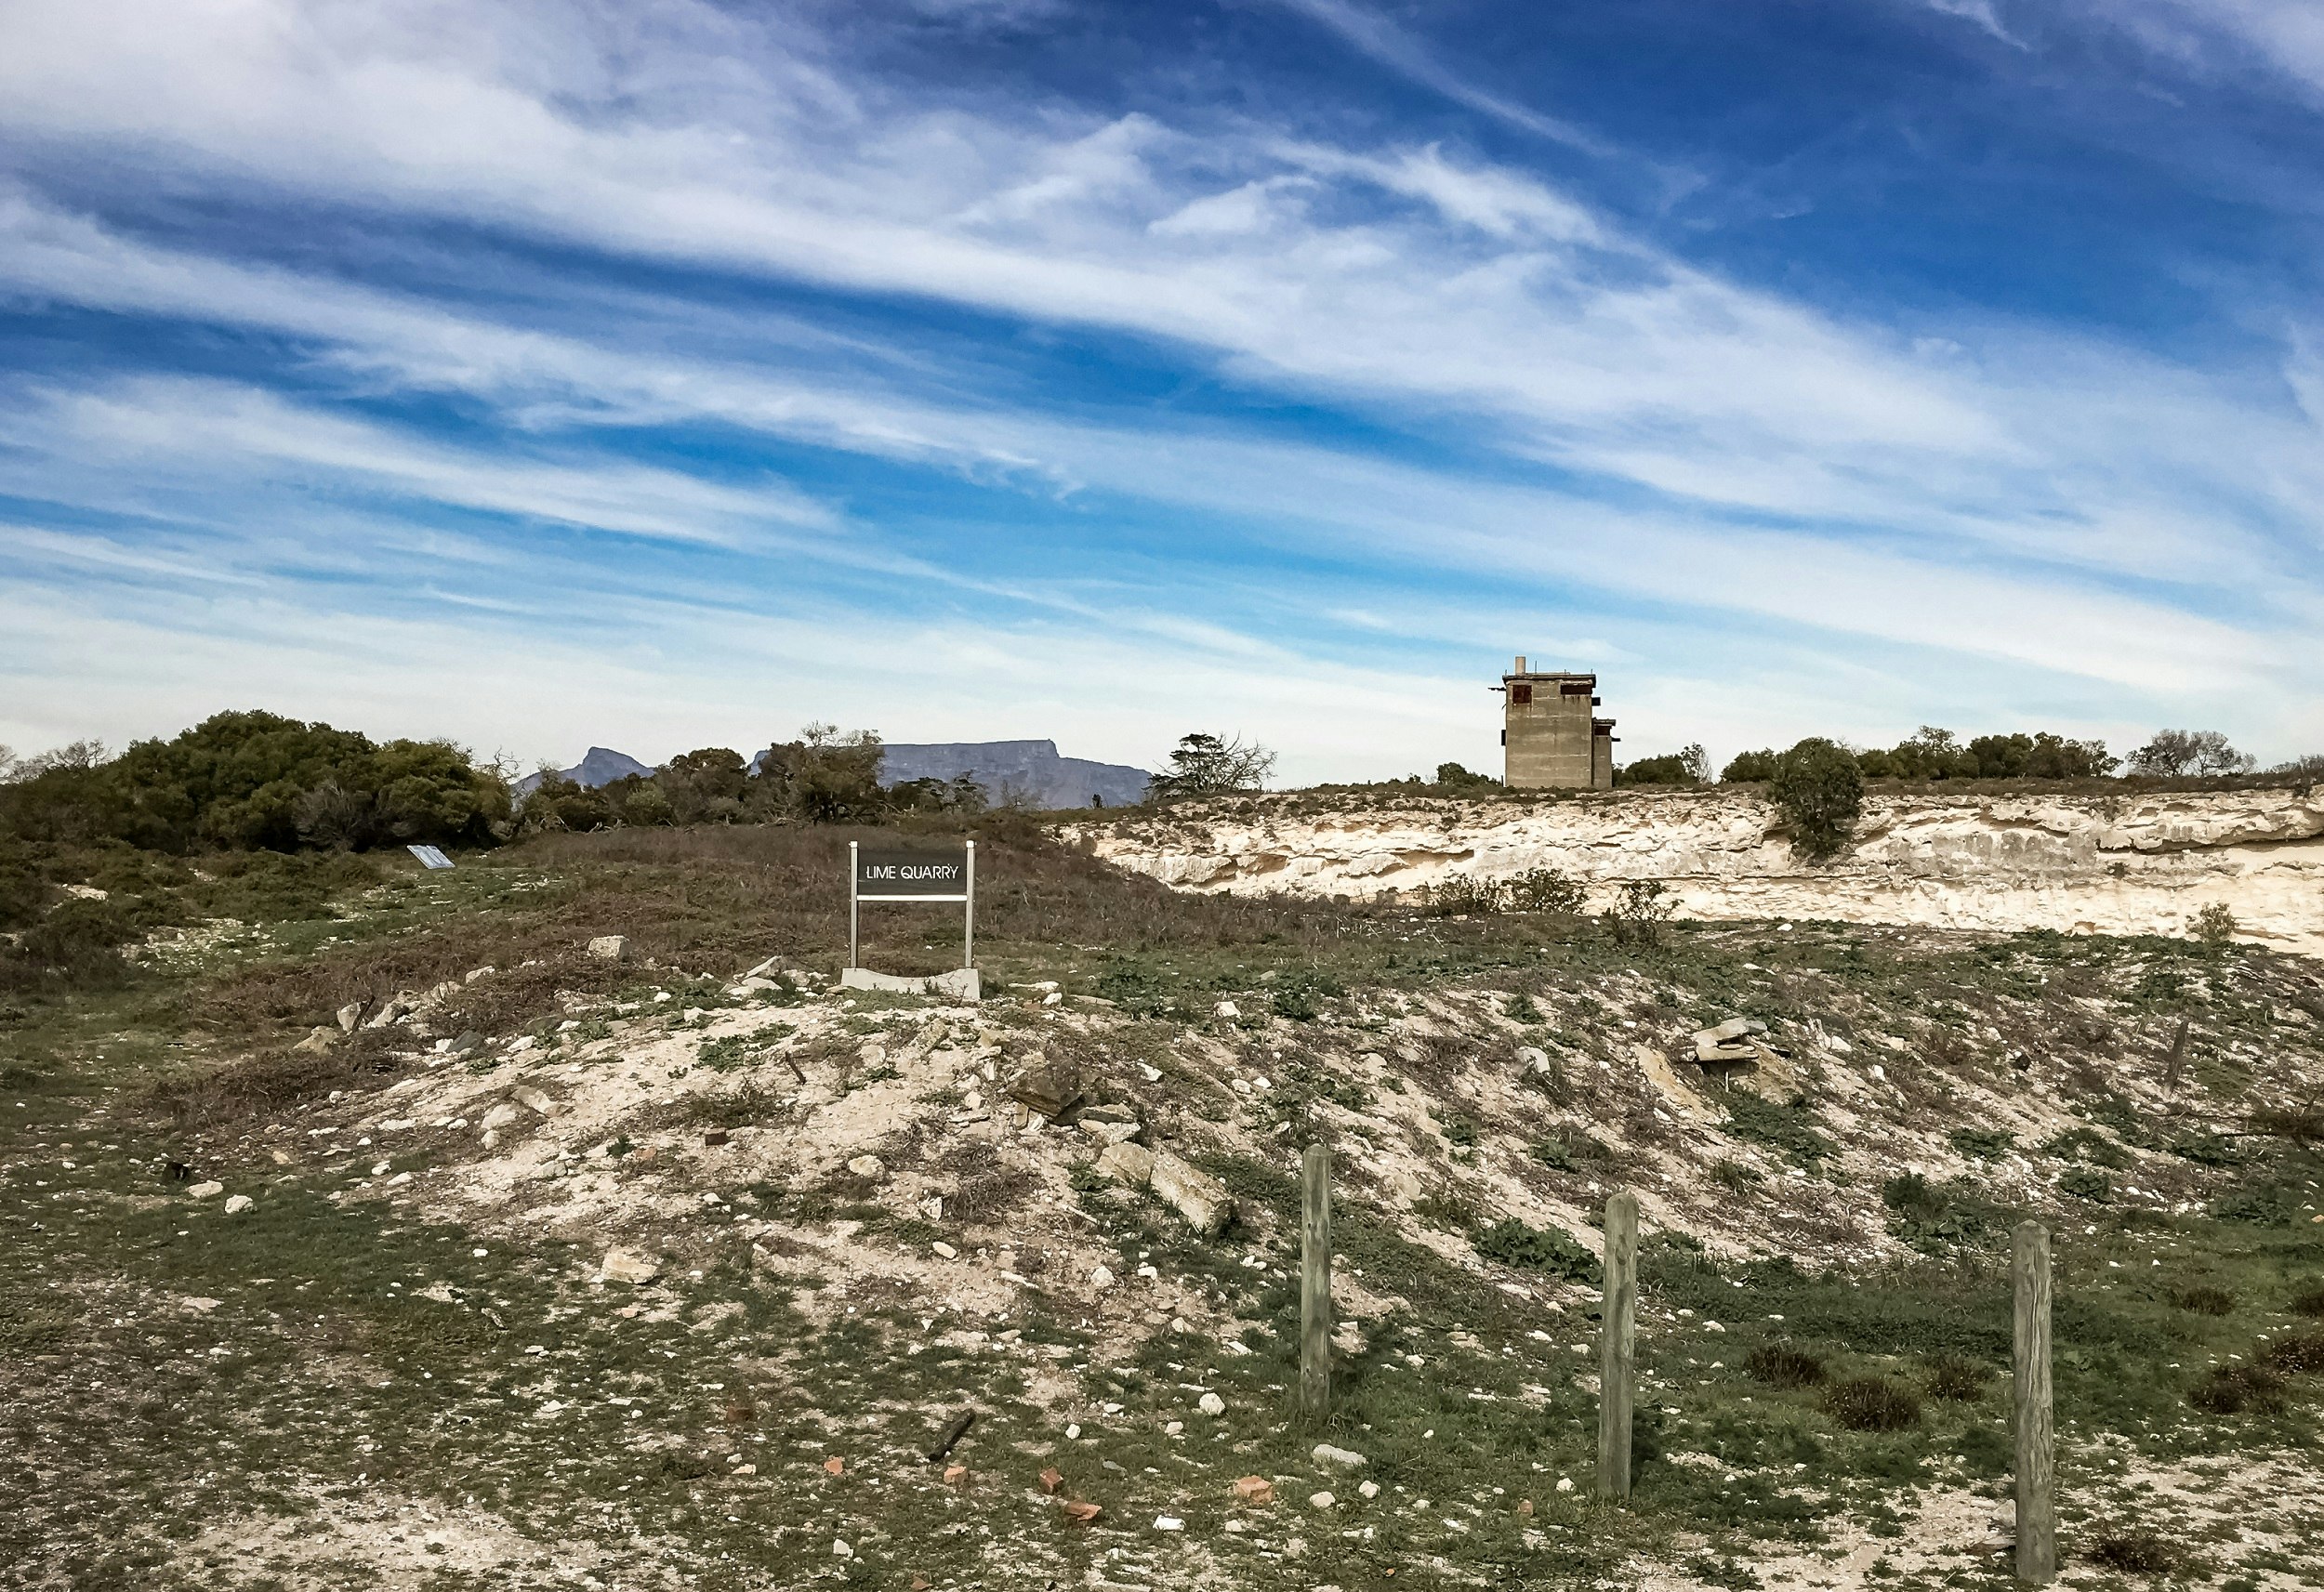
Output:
[[1315, 1284], [2037, 1456], [1617, 1354]]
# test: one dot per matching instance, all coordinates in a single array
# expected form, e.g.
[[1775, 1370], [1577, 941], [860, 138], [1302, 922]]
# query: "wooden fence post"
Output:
[[1617, 1355], [2037, 1455], [1315, 1284]]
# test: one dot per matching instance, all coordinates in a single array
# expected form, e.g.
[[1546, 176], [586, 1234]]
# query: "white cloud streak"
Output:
[[2055, 504]]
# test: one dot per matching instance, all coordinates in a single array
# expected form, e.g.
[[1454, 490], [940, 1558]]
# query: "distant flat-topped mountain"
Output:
[[1028, 771], [599, 766]]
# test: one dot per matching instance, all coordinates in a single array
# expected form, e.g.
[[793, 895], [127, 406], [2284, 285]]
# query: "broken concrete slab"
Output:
[[963, 984], [1195, 1194], [1130, 1164], [627, 1266]]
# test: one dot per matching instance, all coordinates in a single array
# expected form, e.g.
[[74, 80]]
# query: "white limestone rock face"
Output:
[[2132, 863]]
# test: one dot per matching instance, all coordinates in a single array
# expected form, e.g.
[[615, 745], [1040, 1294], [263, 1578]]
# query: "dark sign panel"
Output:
[[930, 875]]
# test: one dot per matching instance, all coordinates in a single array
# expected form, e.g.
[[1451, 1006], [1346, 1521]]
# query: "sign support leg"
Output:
[[851, 903], [968, 919]]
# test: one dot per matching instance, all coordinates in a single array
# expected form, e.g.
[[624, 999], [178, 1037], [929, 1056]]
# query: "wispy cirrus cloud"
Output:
[[734, 295]]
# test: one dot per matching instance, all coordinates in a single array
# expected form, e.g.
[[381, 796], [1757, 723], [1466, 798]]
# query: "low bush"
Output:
[[1638, 912], [2233, 1389], [1569, 1152], [2308, 1300], [2297, 1354], [1545, 890], [2087, 1183], [2214, 925], [1982, 1143], [1511, 1243], [1871, 1404], [1464, 895]]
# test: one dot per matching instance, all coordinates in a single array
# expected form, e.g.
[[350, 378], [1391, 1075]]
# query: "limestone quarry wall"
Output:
[[2111, 864]]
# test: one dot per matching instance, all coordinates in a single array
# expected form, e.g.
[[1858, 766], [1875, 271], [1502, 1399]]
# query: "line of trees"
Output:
[[253, 782], [261, 782], [825, 775], [1934, 754]]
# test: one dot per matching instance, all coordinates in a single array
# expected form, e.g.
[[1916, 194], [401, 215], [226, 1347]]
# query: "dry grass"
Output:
[[2205, 1300], [2135, 1550], [1956, 1377], [1785, 1365]]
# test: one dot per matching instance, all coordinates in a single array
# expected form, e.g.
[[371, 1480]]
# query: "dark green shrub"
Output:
[[1871, 1404], [1691, 767], [1569, 1152], [1982, 1143], [2087, 1144], [1464, 895], [252, 781], [2308, 1300], [2087, 1183], [1789, 1130], [1819, 790], [1459, 1132], [1545, 890], [1748, 766], [75, 944], [1453, 777], [1511, 1243], [1446, 1208], [2231, 1389]]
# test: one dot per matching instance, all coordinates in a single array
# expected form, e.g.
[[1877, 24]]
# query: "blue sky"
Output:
[[667, 375]]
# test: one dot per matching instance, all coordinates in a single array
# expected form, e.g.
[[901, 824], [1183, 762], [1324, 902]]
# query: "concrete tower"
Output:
[[1551, 740]]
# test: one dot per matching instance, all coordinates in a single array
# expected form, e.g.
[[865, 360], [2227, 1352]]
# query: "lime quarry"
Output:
[[558, 1219]]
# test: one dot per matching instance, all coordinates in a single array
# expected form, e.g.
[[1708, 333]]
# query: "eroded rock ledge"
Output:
[[2132, 863]]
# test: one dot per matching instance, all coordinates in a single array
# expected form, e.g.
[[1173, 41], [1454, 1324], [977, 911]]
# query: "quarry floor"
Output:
[[577, 1275]]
